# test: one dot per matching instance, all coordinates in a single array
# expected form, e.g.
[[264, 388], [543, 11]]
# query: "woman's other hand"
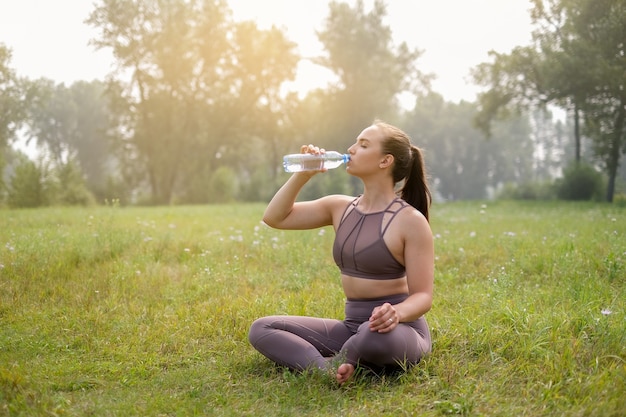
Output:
[[384, 318]]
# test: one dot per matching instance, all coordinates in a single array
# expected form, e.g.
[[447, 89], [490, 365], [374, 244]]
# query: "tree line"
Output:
[[196, 109]]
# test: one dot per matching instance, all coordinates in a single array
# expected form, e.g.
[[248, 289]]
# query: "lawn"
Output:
[[112, 311]]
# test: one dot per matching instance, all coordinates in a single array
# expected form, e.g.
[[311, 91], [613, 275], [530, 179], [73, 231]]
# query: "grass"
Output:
[[114, 311]]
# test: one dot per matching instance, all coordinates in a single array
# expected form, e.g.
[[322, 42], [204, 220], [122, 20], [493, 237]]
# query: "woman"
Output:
[[384, 250]]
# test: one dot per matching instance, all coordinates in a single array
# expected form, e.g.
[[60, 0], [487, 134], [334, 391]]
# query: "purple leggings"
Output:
[[302, 343]]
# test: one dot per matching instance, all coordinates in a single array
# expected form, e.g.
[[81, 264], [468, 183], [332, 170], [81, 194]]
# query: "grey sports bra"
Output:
[[359, 249]]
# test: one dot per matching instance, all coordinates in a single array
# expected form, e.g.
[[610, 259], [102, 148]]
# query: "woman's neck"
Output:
[[376, 198]]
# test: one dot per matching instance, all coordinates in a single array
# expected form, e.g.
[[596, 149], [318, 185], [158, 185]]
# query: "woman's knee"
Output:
[[384, 348], [258, 328]]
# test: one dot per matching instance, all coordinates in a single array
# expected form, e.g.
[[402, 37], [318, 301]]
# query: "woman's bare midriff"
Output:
[[362, 288]]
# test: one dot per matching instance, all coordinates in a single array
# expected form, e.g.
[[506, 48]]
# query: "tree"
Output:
[[28, 187], [70, 186], [371, 71], [460, 162], [91, 138], [576, 61], [13, 101], [198, 84], [70, 126]]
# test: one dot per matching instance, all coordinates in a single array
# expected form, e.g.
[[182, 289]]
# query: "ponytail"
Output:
[[415, 189], [408, 167]]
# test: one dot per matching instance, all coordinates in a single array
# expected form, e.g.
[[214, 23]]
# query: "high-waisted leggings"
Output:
[[302, 343]]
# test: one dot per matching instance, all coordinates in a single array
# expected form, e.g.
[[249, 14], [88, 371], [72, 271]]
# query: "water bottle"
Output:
[[298, 162]]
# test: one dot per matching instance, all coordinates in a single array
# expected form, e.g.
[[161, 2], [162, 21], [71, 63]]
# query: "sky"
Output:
[[50, 39]]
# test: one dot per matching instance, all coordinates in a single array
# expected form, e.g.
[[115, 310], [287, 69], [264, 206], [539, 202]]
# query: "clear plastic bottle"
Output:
[[298, 162]]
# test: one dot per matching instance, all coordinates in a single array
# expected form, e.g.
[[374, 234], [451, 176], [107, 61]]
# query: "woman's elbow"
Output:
[[269, 221], [427, 302], [272, 221]]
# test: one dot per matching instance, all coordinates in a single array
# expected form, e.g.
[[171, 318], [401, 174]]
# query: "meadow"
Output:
[[129, 311]]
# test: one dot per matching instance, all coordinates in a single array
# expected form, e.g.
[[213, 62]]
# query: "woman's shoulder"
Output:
[[338, 200], [411, 217], [336, 204]]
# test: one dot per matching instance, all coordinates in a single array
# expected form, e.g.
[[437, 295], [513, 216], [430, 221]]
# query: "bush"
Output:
[[580, 182], [71, 188], [27, 187], [224, 185], [527, 191]]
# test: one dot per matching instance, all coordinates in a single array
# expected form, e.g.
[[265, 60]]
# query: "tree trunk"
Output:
[[616, 147], [577, 132]]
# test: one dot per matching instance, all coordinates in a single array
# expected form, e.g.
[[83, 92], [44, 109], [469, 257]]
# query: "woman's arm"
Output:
[[283, 212], [419, 262]]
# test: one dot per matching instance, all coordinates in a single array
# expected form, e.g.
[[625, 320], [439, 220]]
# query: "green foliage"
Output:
[[34, 185], [145, 311], [201, 83], [580, 182], [527, 191], [13, 100], [576, 62], [28, 186], [223, 185], [371, 71], [116, 190], [258, 187], [463, 164], [197, 90], [70, 186]]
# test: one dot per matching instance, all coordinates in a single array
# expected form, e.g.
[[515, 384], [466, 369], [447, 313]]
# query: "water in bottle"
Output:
[[298, 162]]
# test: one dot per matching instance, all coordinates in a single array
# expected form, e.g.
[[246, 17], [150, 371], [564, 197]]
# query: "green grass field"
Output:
[[114, 311]]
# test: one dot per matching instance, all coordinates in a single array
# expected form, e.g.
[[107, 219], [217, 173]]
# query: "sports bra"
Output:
[[359, 249]]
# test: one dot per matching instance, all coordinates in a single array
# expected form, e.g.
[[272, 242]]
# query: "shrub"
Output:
[[224, 185], [580, 182], [27, 187], [71, 187], [527, 191]]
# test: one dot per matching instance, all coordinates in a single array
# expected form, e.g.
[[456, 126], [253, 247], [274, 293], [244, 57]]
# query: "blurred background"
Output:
[[151, 102]]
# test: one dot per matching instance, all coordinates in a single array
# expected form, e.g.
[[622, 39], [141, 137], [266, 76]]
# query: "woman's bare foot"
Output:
[[344, 372]]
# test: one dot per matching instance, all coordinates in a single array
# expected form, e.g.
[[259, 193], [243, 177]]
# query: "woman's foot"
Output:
[[344, 372]]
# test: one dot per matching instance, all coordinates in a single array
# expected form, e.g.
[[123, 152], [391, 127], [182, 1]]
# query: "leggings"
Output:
[[302, 343]]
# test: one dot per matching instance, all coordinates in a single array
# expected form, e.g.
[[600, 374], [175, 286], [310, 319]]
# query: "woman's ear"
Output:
[[386, 161]]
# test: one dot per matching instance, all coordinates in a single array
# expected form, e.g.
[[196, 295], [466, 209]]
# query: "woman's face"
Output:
[[366, 153]]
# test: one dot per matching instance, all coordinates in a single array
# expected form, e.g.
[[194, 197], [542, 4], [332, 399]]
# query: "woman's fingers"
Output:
[[312, 149], [383, 319]]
